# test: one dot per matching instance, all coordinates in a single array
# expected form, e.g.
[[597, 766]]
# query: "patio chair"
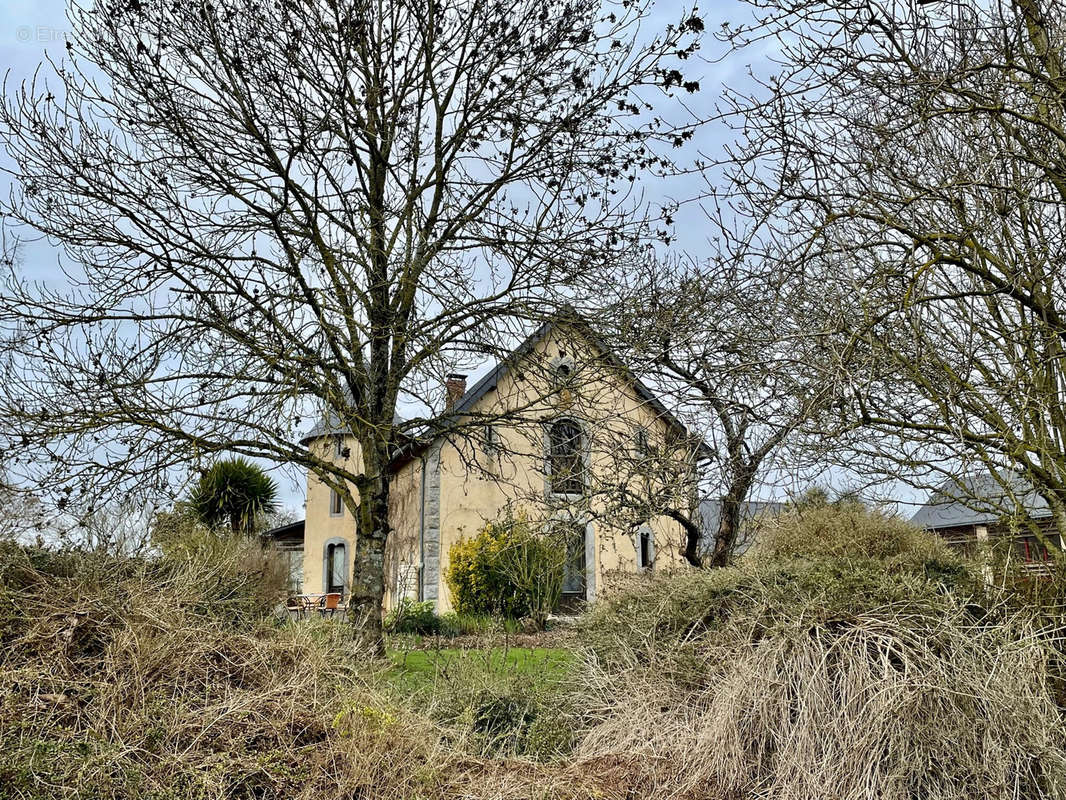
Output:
[[330, 603], [294, 606]]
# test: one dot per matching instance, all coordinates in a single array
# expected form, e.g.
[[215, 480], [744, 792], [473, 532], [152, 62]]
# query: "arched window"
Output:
[[335, 566], [566, 459]]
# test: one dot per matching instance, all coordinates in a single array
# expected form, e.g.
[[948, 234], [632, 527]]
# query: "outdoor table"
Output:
[[309, 602]]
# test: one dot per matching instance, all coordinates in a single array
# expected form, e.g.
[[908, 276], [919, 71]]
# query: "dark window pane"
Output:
[[566, 457], [574, 567]]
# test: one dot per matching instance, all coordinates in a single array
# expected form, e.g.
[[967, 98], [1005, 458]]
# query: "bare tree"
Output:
[[272, 210], [21, 516], [922, 145], [739, 343]]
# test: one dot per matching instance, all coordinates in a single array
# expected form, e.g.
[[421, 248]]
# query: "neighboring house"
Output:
[[751, 513], [980, 511], [567, 430]]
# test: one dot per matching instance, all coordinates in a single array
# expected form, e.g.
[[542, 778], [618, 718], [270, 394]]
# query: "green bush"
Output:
[[413, 618], [508, 569], [847, 530]]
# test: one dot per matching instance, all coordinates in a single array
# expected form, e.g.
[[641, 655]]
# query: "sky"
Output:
[[30, 28]]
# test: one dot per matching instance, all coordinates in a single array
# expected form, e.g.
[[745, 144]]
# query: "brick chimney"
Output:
[[455, 388]]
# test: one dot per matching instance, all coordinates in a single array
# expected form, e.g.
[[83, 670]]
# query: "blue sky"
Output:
[[30, 28], [27, 27]]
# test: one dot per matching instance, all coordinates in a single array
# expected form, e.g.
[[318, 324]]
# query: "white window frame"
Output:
[[336, 504], [345, 564]]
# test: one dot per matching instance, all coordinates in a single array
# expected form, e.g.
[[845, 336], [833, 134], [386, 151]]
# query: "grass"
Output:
[[811, 672], [414, 671]]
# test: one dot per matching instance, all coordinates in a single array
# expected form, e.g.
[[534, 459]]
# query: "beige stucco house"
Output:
[[560, 431]]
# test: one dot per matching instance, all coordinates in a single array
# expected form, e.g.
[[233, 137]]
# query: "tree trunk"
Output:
[[693, 534], [368, 563], [729, 522]]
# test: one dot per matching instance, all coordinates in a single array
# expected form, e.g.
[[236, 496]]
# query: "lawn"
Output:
[[419, 670]]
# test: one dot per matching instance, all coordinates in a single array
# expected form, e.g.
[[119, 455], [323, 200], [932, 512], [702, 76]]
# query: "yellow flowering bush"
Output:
[[508, 569]]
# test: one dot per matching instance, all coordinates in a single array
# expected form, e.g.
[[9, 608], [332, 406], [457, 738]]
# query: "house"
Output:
[[560, 430], [983, 509]]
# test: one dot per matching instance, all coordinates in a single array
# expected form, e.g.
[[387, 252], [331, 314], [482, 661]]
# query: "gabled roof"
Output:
[[492, 378], [570, 317], [979, 499]]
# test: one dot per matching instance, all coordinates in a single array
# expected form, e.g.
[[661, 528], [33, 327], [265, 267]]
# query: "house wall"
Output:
[[321, 527], [610, 412], [441, 497], [403, 557]]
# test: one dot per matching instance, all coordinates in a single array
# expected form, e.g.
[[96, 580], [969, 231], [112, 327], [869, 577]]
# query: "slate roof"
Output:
[[331, 426], [953, 505], [491, 379], [292, 530], [711, 515]]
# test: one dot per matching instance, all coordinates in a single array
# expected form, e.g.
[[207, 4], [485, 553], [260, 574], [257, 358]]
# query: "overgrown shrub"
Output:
[[847, 530], [124, 679], [238, 576], [508, 569], [848, 659], [415, 618]]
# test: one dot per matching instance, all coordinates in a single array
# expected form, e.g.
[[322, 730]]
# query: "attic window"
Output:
[[563, 369], [338, 446], [641, 444], [492, 440]]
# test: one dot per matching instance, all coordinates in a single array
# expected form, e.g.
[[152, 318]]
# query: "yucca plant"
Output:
[[235, 492]]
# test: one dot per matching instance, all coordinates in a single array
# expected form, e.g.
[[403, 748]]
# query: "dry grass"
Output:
[[126, 679], [129, 680], [827, 674]]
